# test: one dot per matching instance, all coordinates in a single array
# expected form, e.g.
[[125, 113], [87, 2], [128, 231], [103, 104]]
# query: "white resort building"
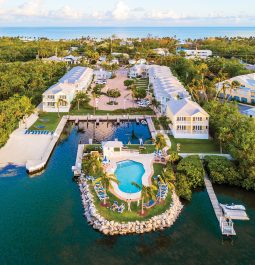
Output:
[[244, 93], [59, 96], [138, 70], [70, 59], [189, 120], [165, 85], [193, 54]]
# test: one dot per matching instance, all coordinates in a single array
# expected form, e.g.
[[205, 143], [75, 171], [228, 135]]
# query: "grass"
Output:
[[156, 123], [134, 215], [147, 148], [134, 111], [142, 83], [195, 145], [50, 121]]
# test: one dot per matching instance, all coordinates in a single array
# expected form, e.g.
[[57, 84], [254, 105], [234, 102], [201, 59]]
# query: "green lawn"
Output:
[[134, 215], [195, 146], [142, 83], [48, 120], [131, 111], [146, 149]]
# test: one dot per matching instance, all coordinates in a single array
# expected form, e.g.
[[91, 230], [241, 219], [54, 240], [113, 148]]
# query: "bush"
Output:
[[128, 82], [182, 187], [222, 171], [193, 169]]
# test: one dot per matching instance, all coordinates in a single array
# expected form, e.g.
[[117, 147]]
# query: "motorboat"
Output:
[[233, 207]]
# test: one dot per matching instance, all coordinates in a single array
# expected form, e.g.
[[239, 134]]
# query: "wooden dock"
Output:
[[77, 168], [226, 227]]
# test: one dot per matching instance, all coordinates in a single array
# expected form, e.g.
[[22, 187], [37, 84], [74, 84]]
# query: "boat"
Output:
[[143, 122], [233, 207]]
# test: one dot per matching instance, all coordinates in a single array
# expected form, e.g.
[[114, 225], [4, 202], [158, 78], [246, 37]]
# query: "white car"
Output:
[[100, 82]]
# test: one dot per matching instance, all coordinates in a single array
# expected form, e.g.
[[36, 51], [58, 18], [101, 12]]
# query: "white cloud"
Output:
[[35, 11], [66, 12], [121, 11], [167, 14]]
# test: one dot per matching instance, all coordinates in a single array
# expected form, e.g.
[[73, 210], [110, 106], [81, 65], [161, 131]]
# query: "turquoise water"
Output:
[[126, 132], [181, 33], [128, 172], [42, 223]]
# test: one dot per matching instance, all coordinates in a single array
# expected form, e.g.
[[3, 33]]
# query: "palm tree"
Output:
[[232, 86], [60, 102], [167, 178], [147, 193], [106, 180], [81, 97], [160, 141]]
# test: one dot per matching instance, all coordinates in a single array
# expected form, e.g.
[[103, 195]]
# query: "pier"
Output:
[[77, 168], [226, 226]]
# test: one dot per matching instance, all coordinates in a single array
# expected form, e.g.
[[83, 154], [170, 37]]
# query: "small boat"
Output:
[[233, 207], [144, 122]]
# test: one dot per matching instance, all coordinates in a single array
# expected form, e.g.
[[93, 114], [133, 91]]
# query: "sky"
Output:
[[127, 13]]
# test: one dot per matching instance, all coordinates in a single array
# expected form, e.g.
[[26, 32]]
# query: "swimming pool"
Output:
[[127, 172]]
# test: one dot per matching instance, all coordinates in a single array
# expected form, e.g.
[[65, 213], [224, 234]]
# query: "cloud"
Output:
[[36, 12], [121, 11]]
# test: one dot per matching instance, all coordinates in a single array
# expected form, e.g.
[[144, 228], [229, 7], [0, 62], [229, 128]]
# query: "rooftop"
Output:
[[186, 107]]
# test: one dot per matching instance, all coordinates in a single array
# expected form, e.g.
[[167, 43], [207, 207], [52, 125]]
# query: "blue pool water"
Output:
[[128, 172]]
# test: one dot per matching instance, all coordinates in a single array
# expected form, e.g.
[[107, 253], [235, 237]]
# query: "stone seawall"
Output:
[[107, 227]]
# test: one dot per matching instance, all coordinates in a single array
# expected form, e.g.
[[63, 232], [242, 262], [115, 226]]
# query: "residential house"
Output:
[[138, 70], [58, 97], [161, 51], [188, 119], [102, 74]]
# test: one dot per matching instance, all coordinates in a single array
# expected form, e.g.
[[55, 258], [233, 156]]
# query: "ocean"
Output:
[[181, 33]]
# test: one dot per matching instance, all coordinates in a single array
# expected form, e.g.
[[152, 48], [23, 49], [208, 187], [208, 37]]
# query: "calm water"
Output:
[[41, 223], [128, 172], [181, 33], [127, 132]]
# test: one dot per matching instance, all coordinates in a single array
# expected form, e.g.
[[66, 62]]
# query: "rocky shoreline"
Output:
[[107, 227]]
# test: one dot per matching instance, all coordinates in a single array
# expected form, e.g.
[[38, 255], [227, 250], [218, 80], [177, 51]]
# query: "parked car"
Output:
[[100, 82]]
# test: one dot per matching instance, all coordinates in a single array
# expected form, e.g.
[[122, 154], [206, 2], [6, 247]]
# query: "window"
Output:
[[181, 118], [51, 97], [197, 118], [51, 104], [62, 97], [181, 128], [197, 128]]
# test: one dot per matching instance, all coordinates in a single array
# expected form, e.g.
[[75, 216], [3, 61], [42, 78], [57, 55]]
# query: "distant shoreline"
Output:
[[180, 32]]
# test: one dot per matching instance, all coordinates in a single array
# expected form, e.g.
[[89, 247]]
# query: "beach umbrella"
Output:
[[105, 160]]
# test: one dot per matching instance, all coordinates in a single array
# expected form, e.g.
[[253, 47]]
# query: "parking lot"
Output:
[[124, 101]]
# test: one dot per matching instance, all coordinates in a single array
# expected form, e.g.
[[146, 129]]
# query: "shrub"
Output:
[[222, 171], [193, 169], [182, 187]]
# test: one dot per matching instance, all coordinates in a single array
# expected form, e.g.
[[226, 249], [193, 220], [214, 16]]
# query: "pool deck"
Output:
[[145, 159]]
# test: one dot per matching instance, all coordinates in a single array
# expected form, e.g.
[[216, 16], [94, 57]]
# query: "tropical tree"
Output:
[[113, 93], [160, 141], [81, 97], [147, 193], [107, 180], [60, 102], [91, 165]]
